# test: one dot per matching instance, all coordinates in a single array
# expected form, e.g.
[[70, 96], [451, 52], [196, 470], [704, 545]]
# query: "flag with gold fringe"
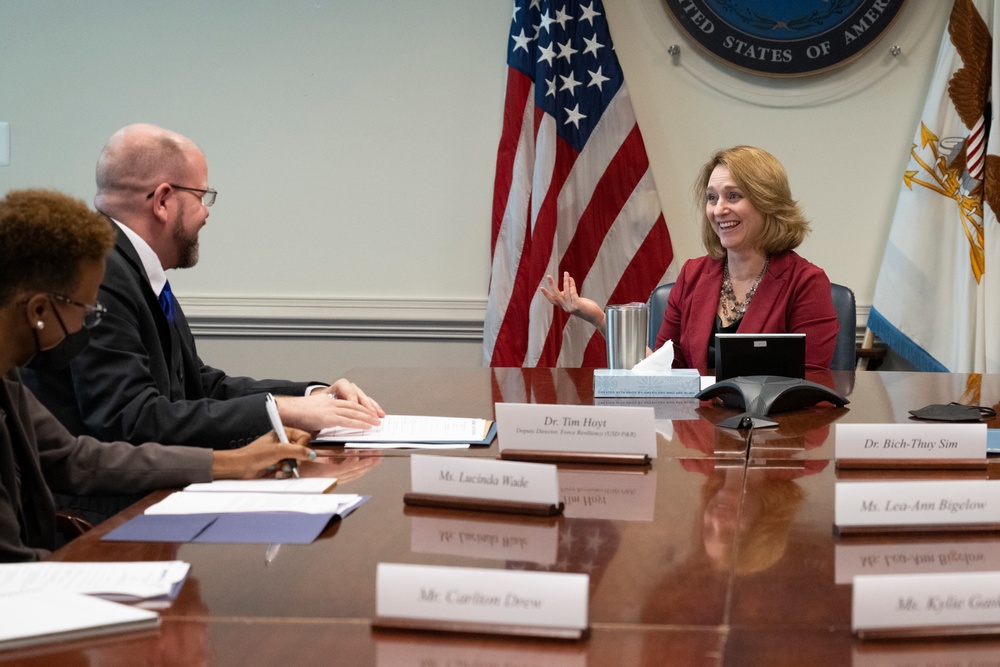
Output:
[[936, 300]]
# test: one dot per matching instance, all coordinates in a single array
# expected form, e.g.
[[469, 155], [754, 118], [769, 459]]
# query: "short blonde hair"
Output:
[[764, 182], [44, 238]]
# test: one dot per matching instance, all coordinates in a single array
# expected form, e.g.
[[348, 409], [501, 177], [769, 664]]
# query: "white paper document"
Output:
[[403, 445], [39, 617], [269, 485], [411, 428], [225, 503], [119, 581]]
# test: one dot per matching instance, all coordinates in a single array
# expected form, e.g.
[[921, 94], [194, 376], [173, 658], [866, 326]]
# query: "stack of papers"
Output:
[[225, 513], [38, 617], [407, 430], [270, 485], [153, 580]]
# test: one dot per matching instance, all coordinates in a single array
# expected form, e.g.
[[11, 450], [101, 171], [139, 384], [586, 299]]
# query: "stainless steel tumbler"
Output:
[[627, 329]]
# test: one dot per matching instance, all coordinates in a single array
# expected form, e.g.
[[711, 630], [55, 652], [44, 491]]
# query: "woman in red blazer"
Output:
[[750, 281]]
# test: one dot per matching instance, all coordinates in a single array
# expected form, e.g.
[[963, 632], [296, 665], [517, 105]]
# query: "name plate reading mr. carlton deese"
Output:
[[481, 600]]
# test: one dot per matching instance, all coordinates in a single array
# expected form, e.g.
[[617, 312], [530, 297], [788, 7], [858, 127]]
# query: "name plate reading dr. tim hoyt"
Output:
[[935, 505], [576, 428], [481, 600], [911, 441]]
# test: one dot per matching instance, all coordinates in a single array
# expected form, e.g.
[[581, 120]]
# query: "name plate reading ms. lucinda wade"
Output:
[[485, 479]]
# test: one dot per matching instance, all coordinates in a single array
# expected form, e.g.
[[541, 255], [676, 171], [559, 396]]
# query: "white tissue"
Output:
[[660, 361]]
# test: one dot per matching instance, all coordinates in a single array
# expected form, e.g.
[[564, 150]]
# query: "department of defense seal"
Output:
[[784, 37]]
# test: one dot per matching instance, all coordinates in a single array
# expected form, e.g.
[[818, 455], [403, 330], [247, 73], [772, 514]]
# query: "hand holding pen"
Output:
[[279, 429]]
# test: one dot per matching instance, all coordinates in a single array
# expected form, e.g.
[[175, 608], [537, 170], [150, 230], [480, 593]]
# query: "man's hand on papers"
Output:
[[340, 404], [262, 456], [349, 391]]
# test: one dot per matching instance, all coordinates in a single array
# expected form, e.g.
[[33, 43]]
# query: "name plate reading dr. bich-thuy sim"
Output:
[[945, 446]]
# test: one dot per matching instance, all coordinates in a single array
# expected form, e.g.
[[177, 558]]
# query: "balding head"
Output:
[[135, 160]]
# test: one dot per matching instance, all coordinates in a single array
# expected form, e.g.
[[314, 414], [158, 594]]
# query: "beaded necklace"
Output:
[[732, 308]]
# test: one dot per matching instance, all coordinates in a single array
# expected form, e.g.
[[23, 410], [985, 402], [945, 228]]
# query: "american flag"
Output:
[[573, 189]]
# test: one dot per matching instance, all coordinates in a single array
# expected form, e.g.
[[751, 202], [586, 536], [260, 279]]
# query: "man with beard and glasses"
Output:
[[140, 377]]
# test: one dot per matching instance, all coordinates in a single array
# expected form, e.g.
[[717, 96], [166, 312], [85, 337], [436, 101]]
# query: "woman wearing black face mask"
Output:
[[52, 250]]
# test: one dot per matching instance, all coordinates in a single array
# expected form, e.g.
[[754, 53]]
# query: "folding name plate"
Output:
[[481, 601], [909, 506], [911, 446], [576, 433], [482, 485], [926, 605]]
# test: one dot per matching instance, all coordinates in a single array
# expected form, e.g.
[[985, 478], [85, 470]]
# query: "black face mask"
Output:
[[59, 357]]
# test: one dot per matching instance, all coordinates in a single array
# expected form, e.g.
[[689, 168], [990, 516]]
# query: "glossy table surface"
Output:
[[721, 552]]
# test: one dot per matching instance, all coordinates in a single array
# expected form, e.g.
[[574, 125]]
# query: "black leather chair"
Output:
[[843, 304], [845, 349]]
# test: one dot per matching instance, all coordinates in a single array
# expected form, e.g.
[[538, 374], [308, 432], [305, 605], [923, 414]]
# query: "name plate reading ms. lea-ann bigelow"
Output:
[[465, 599], [914, 605], [910, 445], [890, 506], [577, 433], [484, 485]]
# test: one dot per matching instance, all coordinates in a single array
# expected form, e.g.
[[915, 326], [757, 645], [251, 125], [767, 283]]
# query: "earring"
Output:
[[39, 325]]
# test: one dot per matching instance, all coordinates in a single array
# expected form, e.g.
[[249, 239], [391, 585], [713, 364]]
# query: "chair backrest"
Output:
[[843, 305], [844, 352], [657, 306]]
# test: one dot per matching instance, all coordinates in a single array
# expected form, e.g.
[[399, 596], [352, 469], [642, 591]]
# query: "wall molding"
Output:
[[324, 317], [354, 318]]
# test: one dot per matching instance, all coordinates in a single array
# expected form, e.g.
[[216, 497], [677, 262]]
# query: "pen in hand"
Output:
[[279, 429]]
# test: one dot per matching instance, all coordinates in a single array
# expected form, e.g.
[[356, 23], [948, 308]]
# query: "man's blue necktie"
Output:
[[168, 303]]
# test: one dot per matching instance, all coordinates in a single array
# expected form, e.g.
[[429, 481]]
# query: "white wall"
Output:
[[353, 146]]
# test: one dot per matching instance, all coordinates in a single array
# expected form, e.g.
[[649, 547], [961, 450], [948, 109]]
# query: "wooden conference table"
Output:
[[719, 553]]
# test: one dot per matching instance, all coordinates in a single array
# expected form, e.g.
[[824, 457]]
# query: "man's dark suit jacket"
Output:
[[141, 379]]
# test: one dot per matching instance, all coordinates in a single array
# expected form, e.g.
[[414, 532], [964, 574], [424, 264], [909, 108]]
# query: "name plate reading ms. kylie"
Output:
[[587, 431], [910, 445], [463, 599], [925, 505], [904, 605]]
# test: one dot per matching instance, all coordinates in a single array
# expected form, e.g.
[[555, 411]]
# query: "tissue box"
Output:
[[680, 382]]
